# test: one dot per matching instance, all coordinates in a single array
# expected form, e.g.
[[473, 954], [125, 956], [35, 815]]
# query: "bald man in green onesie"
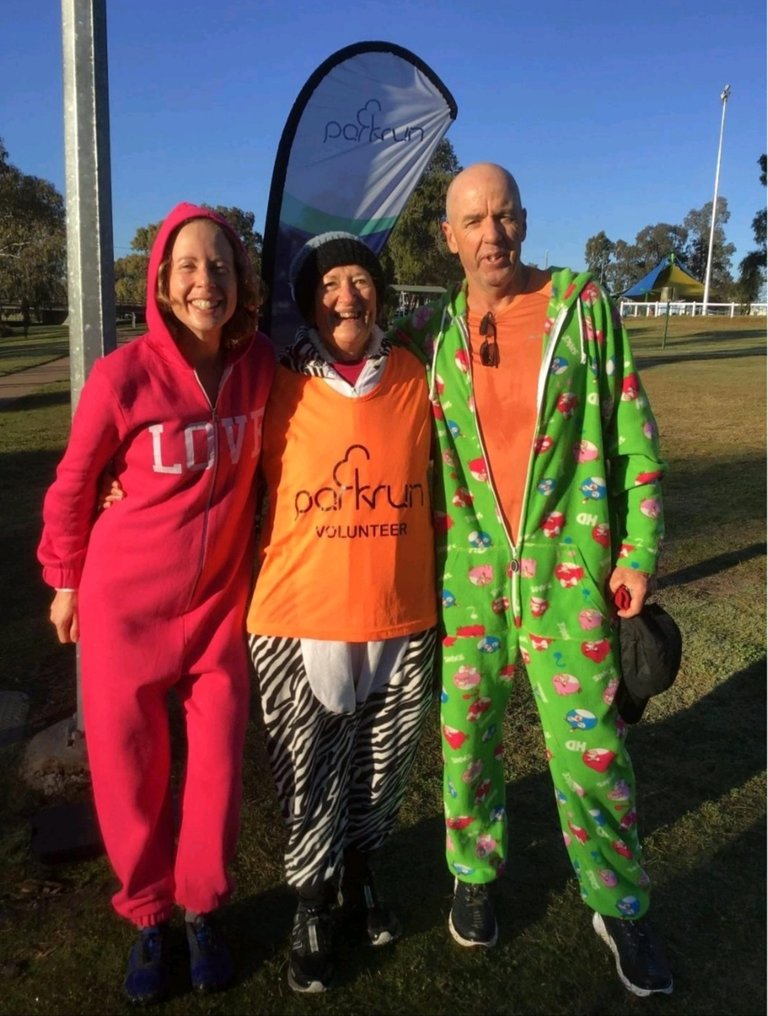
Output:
[[547, 509]]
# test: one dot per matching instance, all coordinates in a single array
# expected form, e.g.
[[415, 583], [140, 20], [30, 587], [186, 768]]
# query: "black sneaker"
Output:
[[363, 912], [146, 980], [210, 961], [640, 962], [311, 964], [472, 921]]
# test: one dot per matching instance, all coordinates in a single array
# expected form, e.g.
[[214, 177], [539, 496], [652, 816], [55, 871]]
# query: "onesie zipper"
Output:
[[214, 473], [546, 362], [514, 565]]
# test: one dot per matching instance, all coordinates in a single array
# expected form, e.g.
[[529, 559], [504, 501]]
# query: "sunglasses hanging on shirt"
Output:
[[489, 349]]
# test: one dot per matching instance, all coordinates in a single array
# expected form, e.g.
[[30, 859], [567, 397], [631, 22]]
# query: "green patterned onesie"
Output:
[[592, 500]]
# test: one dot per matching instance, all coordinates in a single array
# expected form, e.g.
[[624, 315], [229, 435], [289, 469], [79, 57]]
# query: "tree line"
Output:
[[33, 243], [33, 239], [131, 270], [619, 264], [415, 253]]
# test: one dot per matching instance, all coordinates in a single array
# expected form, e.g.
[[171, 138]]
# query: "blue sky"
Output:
[[608, 113]]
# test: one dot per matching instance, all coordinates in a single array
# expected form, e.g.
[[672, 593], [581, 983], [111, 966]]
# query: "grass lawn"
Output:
[[699, 754], [42, 344]]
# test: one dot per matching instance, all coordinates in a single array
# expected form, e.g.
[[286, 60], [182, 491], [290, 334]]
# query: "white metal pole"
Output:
[[724, 100], [91, 288], [61, 748]]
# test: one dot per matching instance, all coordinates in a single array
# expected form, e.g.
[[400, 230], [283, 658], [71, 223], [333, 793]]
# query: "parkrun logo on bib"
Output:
[[365, 130], [348, 489]]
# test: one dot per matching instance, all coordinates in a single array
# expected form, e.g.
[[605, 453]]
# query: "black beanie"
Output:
[[324, 252]]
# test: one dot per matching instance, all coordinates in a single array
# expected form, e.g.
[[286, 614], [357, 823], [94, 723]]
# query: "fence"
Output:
[[636, 308]]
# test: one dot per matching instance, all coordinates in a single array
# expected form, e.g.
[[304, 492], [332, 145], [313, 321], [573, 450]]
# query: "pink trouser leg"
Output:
[[126, 730], [126, 681], [215, 698]]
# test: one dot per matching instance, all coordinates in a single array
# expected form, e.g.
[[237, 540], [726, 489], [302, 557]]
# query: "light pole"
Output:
[[724, 99]]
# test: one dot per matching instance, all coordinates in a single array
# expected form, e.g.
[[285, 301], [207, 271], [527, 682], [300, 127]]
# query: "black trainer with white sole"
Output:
[[364, 914], [472, 921], [640, 961], [311, 966]]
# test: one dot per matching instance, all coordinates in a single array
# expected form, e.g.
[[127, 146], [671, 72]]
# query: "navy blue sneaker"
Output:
[[472, 921], [146, 980], [640, 961], [210, 961]]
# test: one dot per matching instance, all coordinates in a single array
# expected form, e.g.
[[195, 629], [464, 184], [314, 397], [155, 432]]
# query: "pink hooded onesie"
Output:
[[162, 579]]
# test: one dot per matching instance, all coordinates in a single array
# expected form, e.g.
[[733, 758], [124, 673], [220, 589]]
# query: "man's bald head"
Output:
[[474, 176], [486, 225]]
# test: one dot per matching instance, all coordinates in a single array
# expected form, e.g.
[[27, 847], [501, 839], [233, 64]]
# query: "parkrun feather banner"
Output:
[[354, 147]]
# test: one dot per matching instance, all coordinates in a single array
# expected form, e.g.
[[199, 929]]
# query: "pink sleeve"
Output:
[[70, 503]]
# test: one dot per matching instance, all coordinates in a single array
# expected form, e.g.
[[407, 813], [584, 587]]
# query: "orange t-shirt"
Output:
[[347, 552], [505, 396]]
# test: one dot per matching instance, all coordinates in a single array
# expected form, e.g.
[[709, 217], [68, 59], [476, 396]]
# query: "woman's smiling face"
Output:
[[202, 284], [345, 310]]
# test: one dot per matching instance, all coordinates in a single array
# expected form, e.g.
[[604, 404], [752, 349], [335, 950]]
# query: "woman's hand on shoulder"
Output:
[[110, 490], [64, 615]]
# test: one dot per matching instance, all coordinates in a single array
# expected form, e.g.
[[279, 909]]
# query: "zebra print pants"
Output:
[[340, 778]]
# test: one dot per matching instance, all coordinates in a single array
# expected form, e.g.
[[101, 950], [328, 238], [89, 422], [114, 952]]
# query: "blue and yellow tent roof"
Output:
[[668, 273]]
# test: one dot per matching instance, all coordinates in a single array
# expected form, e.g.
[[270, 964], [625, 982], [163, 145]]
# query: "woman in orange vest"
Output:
[[342, 620]]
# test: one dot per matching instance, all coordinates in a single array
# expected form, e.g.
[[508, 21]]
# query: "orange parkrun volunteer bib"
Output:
[[347, 551]]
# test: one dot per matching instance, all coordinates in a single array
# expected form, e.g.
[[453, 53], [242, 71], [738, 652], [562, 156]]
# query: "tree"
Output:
[[618, 265], [145, 237], [33, 246], [416, 252], [698, 222], [752, 267], [242, 223], [131, 279], [597, 254], [653, 243], [131, 271]]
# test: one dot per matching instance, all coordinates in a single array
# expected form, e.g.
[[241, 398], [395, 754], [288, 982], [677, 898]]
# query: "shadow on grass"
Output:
[[711, 748], [712, 566], [52, 349], [713, 895], [26, 475], [706, 907], [702, 496], [646, 359], [705, 336], [38, 400], [258, 928]]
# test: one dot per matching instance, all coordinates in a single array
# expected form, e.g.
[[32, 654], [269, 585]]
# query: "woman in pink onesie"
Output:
[[155, 588]]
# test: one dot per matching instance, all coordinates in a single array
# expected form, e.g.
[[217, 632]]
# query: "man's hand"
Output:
[[637, 585], [64, 615]]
